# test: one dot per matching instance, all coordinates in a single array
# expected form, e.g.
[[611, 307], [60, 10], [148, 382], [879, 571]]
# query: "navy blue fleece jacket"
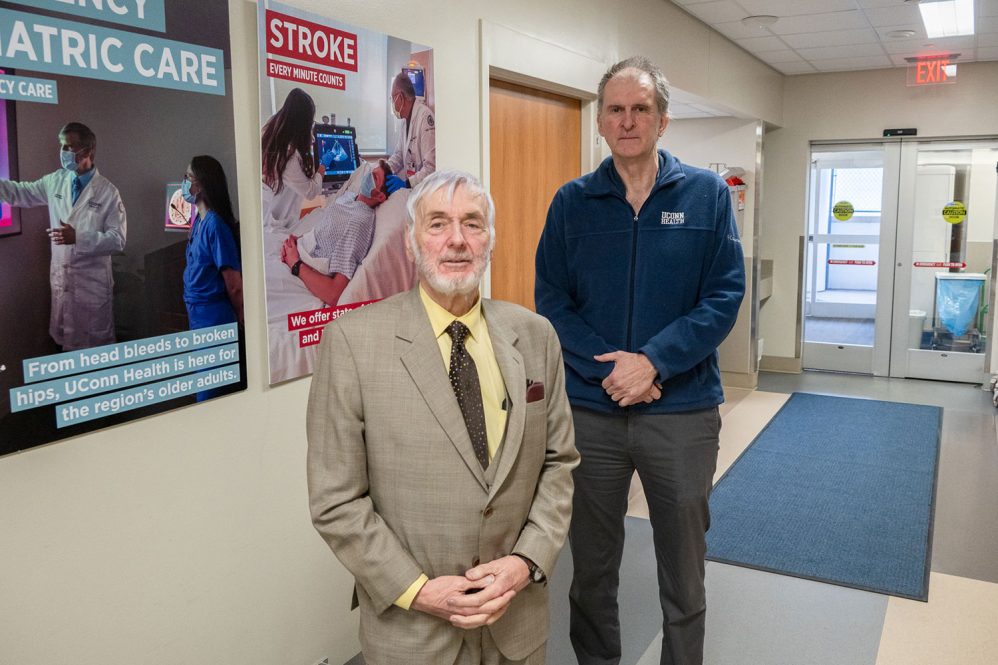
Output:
[[666, 282]]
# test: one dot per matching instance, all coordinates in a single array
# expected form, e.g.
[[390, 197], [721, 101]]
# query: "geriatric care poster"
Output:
[[328, 86], [94, 329]]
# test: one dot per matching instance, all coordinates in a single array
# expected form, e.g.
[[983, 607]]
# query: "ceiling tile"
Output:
[[905, 45], [893, 15], [795, 68], [851, 20], [987, 53], [779, 57], [877, 3], [840, 64], [760, 44], [831, 52], [937, 45], [738, 30], [990, 39], [986, 24], [908, 47], [954, 42], [987, 7], [834, 38], [717, 12], [795, 7]]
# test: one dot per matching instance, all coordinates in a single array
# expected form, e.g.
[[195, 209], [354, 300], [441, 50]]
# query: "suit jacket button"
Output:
[[475, 562], [488, 512]]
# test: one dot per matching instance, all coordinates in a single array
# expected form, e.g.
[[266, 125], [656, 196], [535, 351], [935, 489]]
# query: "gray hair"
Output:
[[404, 85], [645, 65], [450, 180]]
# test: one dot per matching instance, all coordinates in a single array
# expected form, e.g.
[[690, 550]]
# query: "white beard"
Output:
[[449, 286]]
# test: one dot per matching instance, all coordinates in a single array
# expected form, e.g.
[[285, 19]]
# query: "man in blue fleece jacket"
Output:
[[640, 270]]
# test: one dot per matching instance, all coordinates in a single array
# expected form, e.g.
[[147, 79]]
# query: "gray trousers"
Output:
[[675, 456]]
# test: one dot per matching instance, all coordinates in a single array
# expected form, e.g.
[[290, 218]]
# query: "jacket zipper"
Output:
[[634, 255], [630, 300]]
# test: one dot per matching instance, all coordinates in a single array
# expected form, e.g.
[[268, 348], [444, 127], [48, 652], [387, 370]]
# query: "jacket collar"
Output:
[[605, 181]]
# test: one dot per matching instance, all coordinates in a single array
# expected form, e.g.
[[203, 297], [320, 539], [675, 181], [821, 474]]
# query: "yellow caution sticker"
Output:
[[843, 211], [954, 212]]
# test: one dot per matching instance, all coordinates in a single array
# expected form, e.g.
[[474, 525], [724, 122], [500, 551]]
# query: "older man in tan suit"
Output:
[[441, 449]]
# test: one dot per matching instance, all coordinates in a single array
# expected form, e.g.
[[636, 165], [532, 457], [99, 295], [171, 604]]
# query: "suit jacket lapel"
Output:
[[422, 361], [510, 362]]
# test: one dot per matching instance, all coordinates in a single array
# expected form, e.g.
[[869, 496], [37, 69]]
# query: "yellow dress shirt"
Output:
[[479, 346]]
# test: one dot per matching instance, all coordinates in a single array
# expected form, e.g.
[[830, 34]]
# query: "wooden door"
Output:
[[536, 147]]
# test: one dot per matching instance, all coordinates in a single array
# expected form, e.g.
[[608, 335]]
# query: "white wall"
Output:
[[849, 106], [185, 538], [732, 141]]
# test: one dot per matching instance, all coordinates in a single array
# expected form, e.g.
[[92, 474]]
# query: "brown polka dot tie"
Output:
[[464, 379]]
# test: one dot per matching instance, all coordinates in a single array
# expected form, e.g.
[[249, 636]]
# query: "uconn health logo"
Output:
[[673, 218]]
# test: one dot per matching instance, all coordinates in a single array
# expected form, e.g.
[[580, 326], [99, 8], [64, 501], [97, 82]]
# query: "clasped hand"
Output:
[[289, 251], [632, 379], [479, 598]]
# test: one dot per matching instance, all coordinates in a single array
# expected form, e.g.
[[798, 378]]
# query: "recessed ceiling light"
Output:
[[760, 20], [900, 34]]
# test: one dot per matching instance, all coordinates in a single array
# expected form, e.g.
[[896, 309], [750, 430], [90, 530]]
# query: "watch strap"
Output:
[[535, 574]]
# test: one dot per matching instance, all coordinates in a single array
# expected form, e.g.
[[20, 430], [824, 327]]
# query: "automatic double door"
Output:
[[899, 258]]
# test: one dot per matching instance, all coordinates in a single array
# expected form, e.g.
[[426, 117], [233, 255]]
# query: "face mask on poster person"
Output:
[[68, 160], [185, 191]]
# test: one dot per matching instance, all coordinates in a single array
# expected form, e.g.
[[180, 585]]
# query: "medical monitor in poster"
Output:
[[336, 149], [415, 75]]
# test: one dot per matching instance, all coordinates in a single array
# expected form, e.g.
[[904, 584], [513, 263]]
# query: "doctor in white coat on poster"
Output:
[[87, 226], [415, 155]]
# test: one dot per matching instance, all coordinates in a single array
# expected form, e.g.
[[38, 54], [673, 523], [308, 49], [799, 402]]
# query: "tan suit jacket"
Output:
[[394, 485]]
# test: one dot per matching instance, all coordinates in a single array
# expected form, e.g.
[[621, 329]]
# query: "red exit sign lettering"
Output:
[[931, 72]]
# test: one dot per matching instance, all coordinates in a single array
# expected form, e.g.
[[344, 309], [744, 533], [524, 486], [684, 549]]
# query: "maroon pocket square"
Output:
[[535, 391]]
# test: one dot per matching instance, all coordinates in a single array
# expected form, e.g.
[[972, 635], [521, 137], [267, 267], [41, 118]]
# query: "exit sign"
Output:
[[934, 71]]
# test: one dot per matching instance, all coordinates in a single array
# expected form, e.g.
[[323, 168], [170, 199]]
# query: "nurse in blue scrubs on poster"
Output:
[[213, 282]]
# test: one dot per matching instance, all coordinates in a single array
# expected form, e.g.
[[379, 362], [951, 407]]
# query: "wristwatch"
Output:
[[534, 572], [296, 267]]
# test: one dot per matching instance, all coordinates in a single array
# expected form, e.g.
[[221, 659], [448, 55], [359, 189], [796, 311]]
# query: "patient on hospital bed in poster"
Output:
[[326, 258]]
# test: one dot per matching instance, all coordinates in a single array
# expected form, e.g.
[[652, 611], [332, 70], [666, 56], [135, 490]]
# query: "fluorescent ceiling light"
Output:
[[947, 18]]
